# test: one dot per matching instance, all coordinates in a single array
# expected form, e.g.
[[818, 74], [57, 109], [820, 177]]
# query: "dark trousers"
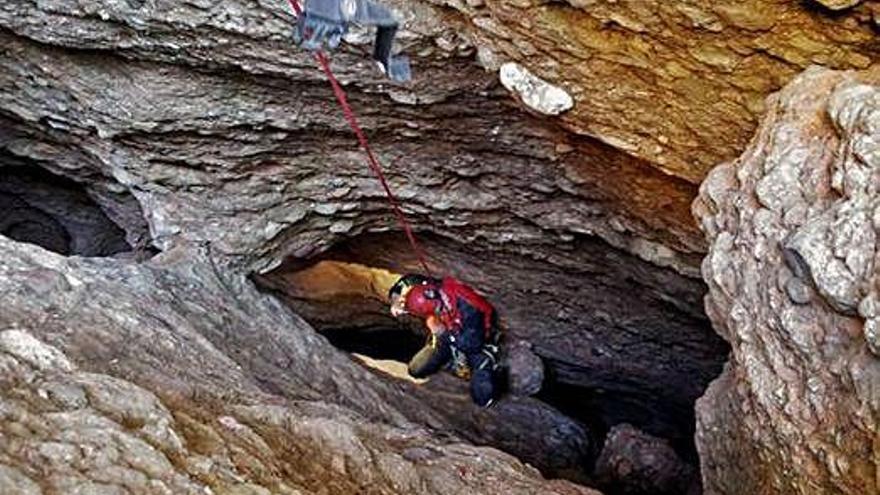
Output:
[[437, 353]]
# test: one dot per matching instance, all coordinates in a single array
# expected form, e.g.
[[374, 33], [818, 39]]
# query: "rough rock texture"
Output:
[[347, 302], [633, 462], [525, 369], [176, 99], [220, 127], [680, 84], [838, 4], [121, 377], [201, 120], [576, 311], [228, 136], [793, 279], [55, 214]]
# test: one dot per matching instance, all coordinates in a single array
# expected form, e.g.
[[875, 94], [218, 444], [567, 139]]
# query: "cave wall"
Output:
[[792, 274], [219, 126], [574, 308], [168, 376], [229, 143], [55, 213], [680, 84]]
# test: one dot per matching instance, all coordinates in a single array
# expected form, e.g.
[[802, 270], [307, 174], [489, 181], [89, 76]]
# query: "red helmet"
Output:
[[423, 300]]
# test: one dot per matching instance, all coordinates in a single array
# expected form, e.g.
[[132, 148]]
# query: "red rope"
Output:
[[365, 144]]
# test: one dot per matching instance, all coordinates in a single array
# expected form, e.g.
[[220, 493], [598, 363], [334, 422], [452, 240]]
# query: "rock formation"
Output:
[[163, 377], [548, 152], [56, 214], [793, 278], [218, 87], [680, 84], [633, 462]]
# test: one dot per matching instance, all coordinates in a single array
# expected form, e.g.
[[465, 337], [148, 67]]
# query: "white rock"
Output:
[[25, 347], [537, 94]]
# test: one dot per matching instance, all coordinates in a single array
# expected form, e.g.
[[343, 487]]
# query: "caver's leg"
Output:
[[436, 353]]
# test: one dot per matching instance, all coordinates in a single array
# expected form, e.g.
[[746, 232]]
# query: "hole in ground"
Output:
[[615, 349], [55, 213], [395, 344], [345, 302]]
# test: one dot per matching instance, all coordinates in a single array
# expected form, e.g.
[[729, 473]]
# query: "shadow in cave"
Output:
[[56, 213], [396, 344]]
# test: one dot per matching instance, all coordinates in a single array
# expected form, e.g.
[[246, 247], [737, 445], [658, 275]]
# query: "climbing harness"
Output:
[[330, 34]]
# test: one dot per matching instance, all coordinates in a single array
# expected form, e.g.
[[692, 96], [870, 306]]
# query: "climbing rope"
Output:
[[350, 116]]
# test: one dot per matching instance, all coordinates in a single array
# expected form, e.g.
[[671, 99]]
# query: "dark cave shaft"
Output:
[[618, 349]]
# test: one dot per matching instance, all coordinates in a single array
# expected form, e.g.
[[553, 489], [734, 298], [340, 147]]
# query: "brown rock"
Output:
[[633, 462], [679, 84], [598, 319], [525, 369], [656, 85], [163, 377], [201, 121], [796, 409]]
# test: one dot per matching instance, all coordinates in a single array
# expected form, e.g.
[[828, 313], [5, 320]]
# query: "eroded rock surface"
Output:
[[113, 379], [792, 273], [202, 121], [634, 463], [645, 367], [54, 213], [220, 127], [680, 84], [196, 97]]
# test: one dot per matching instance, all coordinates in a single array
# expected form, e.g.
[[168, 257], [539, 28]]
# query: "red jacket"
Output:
[[454, 294]]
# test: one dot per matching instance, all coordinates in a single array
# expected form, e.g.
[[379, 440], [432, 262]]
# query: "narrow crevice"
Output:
[[585, 406]]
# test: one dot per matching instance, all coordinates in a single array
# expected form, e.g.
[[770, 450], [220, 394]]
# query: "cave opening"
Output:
[[55, 213], [383, 343], [629, 395], [345, 303]]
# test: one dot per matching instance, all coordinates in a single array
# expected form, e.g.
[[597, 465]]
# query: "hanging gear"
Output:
[[323, 23], [459, 365], [351, 118], [440, 352], [460, 308]]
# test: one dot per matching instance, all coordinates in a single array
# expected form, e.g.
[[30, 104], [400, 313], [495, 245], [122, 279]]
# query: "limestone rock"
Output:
[[575, 311], [658, 84], [838, 4], [200, 131], [534, 92], [678, 84], [163, 377], [797, 407], [260, 167], [56, 214], [526, 370], [633, 462]]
